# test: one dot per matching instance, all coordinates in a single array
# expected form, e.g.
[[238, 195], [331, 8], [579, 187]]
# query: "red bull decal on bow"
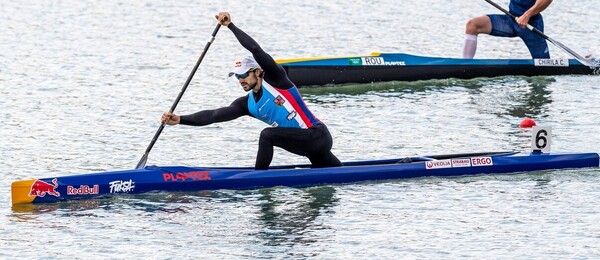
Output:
[[40, 188], [83, 190]]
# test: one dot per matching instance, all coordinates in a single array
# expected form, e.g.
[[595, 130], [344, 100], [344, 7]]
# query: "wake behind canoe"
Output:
[[381, 67], [182, 178]]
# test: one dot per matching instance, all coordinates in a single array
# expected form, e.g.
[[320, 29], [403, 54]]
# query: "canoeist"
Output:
[[527, 11], [273, 99]]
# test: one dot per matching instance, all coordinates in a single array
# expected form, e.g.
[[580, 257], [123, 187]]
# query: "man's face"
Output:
[[248, 80]]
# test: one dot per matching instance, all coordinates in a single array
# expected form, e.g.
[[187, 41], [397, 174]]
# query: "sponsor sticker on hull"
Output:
[[462, 162], [459, 162], [121, 186], [83, 190], [186, 176], [482, 161], [438, 164]]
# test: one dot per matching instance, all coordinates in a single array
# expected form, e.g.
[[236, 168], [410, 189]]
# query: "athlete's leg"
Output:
[[537, 45], [327, 159], [475, 26], [321, 155], [290, 139], [496, 25], [314, 143]]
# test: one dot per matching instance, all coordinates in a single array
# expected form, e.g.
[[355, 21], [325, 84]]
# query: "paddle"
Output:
[[561, 46], [142, 163]]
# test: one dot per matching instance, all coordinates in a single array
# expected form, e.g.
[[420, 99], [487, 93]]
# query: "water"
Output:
[[83, 84]]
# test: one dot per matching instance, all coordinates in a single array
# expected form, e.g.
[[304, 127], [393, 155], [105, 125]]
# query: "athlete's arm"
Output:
[[237, 108], [538, 7], [274, 73]]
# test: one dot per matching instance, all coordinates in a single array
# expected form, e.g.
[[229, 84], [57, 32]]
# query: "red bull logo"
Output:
[[83, 190], [40, 188]]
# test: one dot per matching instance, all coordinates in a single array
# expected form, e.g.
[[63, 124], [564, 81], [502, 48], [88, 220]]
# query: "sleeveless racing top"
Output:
[[281, 108]]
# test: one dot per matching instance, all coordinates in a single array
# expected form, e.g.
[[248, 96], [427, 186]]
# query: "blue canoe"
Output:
[[379, 67], [181, 178]]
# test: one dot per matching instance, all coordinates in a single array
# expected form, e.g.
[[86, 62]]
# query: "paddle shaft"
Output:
[[561, 46], [142, 162]]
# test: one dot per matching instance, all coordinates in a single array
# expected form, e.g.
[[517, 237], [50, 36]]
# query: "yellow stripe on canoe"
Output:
[[373, 54], [20, 192]]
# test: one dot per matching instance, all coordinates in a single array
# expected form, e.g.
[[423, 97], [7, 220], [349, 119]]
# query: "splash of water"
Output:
[[595, 63], [596, 67]]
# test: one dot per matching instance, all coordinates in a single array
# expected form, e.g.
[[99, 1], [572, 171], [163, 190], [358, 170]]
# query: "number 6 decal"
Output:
[[541, 138]]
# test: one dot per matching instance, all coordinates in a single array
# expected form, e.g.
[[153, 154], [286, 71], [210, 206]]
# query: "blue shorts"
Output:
[[505, 26]]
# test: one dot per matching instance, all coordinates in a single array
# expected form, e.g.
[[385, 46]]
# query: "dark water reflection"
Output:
[[290, 223], [512, 96], [534, 102]]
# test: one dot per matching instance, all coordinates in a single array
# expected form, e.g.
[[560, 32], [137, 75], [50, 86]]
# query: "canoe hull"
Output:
[[404, 67], [180, 178]]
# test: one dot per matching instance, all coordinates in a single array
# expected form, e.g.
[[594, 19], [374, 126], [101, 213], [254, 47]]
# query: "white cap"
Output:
[[243, 65]]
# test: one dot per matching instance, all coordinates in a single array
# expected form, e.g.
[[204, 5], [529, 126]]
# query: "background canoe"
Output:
[[379, 67]]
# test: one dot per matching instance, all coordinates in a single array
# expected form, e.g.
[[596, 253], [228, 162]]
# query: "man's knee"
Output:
[[477, 25], [470, 27], [266, 135]]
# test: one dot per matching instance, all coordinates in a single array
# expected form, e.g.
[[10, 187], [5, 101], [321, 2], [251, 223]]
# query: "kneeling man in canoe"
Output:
[[527, 12], [273, 99]]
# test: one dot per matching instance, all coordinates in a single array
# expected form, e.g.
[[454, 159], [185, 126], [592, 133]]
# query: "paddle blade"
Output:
[[142, 163], [578, 57]]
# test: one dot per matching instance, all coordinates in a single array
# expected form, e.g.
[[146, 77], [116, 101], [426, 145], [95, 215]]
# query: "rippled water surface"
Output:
[[83, 84]]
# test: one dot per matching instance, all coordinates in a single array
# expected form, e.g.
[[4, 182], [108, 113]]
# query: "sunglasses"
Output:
[[245, 75]]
